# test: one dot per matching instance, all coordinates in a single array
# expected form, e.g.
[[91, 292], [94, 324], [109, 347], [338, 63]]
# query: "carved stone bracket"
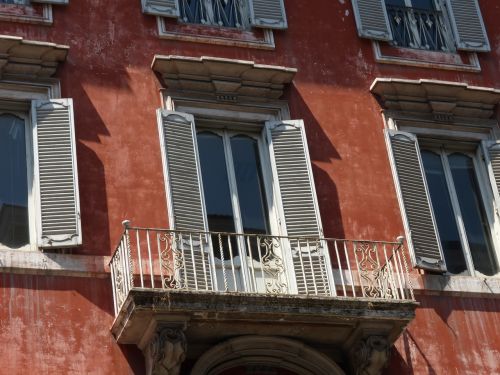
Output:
[[370, 355], [166, 351]]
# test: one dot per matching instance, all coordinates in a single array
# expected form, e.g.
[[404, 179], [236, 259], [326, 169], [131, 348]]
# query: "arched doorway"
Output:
[[264, 355]]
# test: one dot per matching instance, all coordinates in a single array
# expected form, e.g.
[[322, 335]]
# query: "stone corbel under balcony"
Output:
[[29, 59], [226, 80], [442, 100]]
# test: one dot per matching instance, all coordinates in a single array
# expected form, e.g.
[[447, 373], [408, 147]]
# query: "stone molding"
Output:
[[226, 79], [445, 100], [370, 355], [279, 352], [166, 351], [29, 59]]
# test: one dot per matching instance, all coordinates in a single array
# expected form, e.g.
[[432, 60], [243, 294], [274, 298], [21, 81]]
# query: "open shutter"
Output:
[[468, 26], [58, 216], [51, 1], [165, 8], [491, 151], [371, 19], [184, 196], [294, 188], [414, 200], [269, 14]]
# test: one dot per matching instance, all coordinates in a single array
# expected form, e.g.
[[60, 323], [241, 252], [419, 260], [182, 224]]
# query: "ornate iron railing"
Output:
[[227, 13], [420, 28], [258, 264]]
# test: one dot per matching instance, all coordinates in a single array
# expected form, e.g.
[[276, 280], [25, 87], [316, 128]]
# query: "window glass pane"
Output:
[[422, 4], [251, 193], [14, 230], [473, 213], [400, 3], [443, 211], [215, 182]]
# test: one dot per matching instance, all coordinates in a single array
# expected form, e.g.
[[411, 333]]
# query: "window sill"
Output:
[[35, 13], [255, 38], [466, 286], [460, 61]]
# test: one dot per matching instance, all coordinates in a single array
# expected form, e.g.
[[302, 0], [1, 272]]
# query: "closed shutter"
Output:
[[51, 1], [414, 199], [165, 8], [294, 187], [184, 196], [269, 14], [491, 151], [58, 216], [468, 26], [371, 19]]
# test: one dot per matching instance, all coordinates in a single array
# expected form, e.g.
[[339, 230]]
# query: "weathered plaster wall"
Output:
[[60, 325]]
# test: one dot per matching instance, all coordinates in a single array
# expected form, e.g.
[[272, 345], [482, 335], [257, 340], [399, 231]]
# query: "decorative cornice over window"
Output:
[[19, 57], [441, 98], [227, 79]]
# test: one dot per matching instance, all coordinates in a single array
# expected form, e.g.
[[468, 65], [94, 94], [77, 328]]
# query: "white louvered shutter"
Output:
[[372, 20], [491, 152], [294, 187], [51, 1], [165, 8], [414, 199], [58, 206], [269, 14], [468, 26], [184, 195]]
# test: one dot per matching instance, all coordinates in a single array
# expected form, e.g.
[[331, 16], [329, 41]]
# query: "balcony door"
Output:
[[233, 167]]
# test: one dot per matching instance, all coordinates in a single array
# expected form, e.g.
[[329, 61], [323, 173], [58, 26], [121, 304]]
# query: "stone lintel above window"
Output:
[[29, 59], [444, 100], [226, 79]]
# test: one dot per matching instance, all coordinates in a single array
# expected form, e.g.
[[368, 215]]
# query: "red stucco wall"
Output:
[[61, 325]]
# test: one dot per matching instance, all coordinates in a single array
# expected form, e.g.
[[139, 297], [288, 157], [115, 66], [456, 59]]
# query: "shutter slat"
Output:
[[371, 19], [164, 8], [491, 152], [419, 218], [58, 223], [468, 26], [51, 1], [269, 14], [293, 176]]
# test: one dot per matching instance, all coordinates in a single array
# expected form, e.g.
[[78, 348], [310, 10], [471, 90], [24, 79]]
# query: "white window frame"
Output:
[[18, 95], [467, 131]]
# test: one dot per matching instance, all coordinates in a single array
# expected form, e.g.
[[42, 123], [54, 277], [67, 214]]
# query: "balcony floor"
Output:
[[329, 324]]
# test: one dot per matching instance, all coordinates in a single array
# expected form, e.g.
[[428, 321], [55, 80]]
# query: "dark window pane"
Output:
[[215, 183], [423, 4], [473, 213], [443, 211], [400, 3], [217, 194], [14, 230], [249, 183]]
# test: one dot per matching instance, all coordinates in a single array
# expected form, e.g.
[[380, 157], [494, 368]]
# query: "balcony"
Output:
[[328, 293]]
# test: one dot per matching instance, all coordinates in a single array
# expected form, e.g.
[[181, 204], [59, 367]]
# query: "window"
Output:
[[39, 205], [458, 203], [419, 24], [227, 13], [224, 13], [14, 196], [20, 2], [437, 25]]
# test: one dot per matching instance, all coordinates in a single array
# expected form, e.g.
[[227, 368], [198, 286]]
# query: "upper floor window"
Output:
[[21, 2], [419, 24], [227, 13], [438, 25]]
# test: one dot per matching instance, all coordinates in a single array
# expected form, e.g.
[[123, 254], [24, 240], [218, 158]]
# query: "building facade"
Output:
[[249, 187]]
